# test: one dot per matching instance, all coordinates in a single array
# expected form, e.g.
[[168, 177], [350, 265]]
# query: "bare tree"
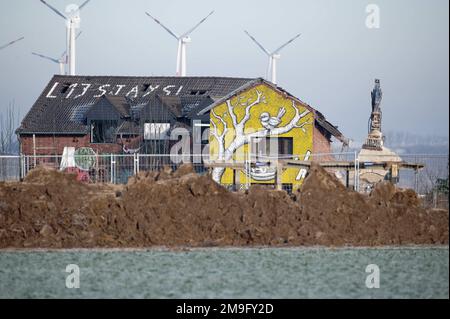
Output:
[[9, 121], [241, 138]]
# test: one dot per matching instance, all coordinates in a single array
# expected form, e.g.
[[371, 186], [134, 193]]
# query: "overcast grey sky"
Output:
[[331, 66]]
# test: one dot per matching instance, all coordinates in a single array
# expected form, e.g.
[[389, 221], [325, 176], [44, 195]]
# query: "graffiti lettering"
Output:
[[85, 89], [133, 91], [102, 90], [71, 88], [119, 88], [165, 89], [151, 88], [49, 94], [78, 90]]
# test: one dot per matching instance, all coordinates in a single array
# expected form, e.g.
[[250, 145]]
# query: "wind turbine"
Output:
[[273, 57], [182, 41], [10, 43], [62, 60], [72, 23]]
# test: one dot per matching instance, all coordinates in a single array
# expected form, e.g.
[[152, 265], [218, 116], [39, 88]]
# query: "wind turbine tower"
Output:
[[62, 60], [271, 74], [183, 40], [72, 23]]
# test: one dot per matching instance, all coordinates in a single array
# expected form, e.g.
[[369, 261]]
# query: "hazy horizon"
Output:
[[332, 66]]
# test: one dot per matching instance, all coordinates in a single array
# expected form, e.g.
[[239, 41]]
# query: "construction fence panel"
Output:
[[117, 168], [425, 174], [10, 167], [342, 165], [105, 168], [430, 182]]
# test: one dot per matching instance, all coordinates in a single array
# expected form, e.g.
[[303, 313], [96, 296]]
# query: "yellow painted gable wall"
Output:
[[271, 101]]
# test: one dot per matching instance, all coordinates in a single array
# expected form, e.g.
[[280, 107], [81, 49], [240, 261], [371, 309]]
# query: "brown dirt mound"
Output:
[[45, 175], [52, 209]]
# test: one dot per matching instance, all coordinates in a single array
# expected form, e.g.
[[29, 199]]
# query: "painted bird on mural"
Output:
[[270, 122]]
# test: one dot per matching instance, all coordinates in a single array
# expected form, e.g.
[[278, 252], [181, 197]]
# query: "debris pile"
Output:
[[50, 209]]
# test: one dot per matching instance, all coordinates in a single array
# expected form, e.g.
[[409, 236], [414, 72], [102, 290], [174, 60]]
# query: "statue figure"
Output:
[[377, 95], [375, 138]]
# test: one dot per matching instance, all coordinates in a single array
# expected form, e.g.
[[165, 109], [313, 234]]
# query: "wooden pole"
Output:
[[237, 179], [34, 150], [347, 178]]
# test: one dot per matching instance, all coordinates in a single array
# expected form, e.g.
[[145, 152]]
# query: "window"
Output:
[[65, 88], [156, 131], [287, 188], [103, 131], [285, 144], [273, 146]]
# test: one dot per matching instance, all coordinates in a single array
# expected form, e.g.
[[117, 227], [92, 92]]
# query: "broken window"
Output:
[[103, 131], [65, 88], [198, 92], [145, 87]]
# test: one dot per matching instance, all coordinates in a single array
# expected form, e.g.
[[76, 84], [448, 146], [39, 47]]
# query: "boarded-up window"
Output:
[[156, 131]]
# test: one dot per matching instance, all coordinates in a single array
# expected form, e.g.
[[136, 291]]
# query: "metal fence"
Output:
[[107, 168], [426, 174], [430, 181], [10, 167]]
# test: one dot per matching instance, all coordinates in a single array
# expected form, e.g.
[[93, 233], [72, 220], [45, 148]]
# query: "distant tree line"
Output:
[[417, 142]]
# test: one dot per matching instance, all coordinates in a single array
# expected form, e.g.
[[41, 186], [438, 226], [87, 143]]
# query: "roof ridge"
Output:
[[154, 76]]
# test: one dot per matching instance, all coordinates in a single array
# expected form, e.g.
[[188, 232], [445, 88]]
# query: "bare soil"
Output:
[[50, 209]]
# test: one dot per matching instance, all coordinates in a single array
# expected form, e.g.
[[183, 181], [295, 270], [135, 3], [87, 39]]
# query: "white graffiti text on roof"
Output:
[[77, 90]]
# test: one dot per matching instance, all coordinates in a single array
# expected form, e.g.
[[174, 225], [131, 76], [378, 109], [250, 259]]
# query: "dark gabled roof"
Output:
[[120, 104], [129, 128], [193, 104], [157, 110], [228, 96], [108, 108], [62, 106], [171, 103]]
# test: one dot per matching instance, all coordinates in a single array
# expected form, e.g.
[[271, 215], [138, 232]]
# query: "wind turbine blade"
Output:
[[10, 43], [257, 43], [63, 56], [279, 49], [84, 3], [45, 57], [196, 26], [162, 25], [54, 10]]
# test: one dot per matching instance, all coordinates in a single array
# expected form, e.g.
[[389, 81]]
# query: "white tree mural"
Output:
[[270, 127]]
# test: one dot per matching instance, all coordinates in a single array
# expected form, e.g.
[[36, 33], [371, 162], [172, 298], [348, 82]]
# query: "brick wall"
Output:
[[321, 144], [51, 145]]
